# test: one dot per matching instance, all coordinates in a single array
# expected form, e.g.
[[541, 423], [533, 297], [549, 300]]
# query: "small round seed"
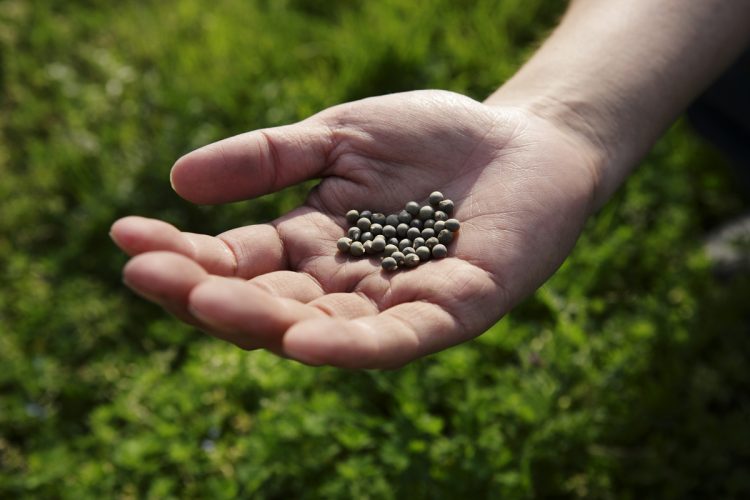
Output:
[[440, 215], [429, 223], [392, 220], [431, 242], [452, 225], [389, 249], [411, 260], [363, 223], [354, 233], [378, 218], [439, 251], [416, 223], [378, 245], [408, 250], [393, 241], [366, 236], [426, 212], [404, 216], [403, 244], [368, 247], [389, 231], [428, 233], [389, 264], [445, 236], [412, 207], [352, 216], [436, 197], [418, 242], [413, 232], [424, 253], [357, 249], [402, 229], [398, 257], [376, 229], [367, 214], [446, 206], [439, 226], [344, 244]]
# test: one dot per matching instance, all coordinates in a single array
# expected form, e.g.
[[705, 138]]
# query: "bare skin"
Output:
[[526, 169]]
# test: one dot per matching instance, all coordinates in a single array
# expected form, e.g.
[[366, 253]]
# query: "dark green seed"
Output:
[[429, 223], [418, 242], [366, 214], [436, 197], [412, 207], [428, 233], [389, 231], [376, 229], [452, 225], [431, 242], [404, 216], [389, 249], [445, 236], [416, 223], [366, 236], [402, 229], [363, 223], [378, 218], [403, 244], [389, 264], [439, 251], [440, 215], [413, 232], [424, 253], [393, 241], [408, 250], [411, 260], [354, 233], [439, 226], [378, 245], [344, 244], [398, 257], [368, 247], [357, 249], [392, 220], [352, 216], [446, 206], [426, 212]]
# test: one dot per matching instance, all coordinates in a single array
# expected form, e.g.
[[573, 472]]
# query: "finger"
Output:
[[387, 340], [243, 252], [254, 163]]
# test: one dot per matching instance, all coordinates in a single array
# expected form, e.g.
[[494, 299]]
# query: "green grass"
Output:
[[623, 377]]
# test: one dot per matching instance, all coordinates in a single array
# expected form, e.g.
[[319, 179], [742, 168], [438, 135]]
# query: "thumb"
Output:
[[253, 163]]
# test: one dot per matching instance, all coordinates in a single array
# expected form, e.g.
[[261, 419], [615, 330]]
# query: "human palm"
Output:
[[522, 190]]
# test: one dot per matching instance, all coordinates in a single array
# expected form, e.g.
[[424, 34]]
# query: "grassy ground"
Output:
[[623, 377]]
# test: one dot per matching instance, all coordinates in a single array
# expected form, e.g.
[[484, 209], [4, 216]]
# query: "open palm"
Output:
[[522, 190]]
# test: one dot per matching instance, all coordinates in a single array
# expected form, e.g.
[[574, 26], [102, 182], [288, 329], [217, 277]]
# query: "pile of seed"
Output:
[[414, 235]]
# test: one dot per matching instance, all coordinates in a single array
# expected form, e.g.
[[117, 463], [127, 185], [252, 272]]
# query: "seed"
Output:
[[366, 214], [446, 206], [412, 207], [428, 233], [426, 212], [408, 250], [389, 231], [393, 241], [368, 246], [378, 218], [389, 264], [354, 233], [403, 244], [404, 216], [357, 249], [416, 223], [376, 229], [413, 232], [431, 242], [402, 229], [439, 226], [366, 236], [392, 220], [452, 225], [418, 242], [429, 223], [411, 260], [440, 215], [352, 216], [378, 245], [363, 223], [439, 251], [398, 257], [389, 249], [436, 197], [344, 244], [445, 236], [424, 253]]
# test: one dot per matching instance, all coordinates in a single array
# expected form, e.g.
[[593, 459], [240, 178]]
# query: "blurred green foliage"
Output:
[[623, 377]]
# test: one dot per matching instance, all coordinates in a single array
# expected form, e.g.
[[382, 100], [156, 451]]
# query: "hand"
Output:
[[522, 188]]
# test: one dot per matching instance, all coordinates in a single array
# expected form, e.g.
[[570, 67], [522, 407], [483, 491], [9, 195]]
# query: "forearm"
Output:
[[618, 72]]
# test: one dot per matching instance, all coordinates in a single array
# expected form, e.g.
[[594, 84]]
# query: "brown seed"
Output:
[[428, 233], [404, 243], [424, 253], [446, 206], [378, 245], [378, 218], [445, 236], [363, 223], [439, 226], [398, 257], [389, 231], [431, 242], [390, 249], [352, 216], [412, 207], [354, 233], [408, 250], [402, 229], [452, 225], [376, 229], [411, 260], [439, 251], [357, 249], [413, 232], [426, 212], [389, 264], [436, 197], [392, 220], [344, 244], [440, 215]]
